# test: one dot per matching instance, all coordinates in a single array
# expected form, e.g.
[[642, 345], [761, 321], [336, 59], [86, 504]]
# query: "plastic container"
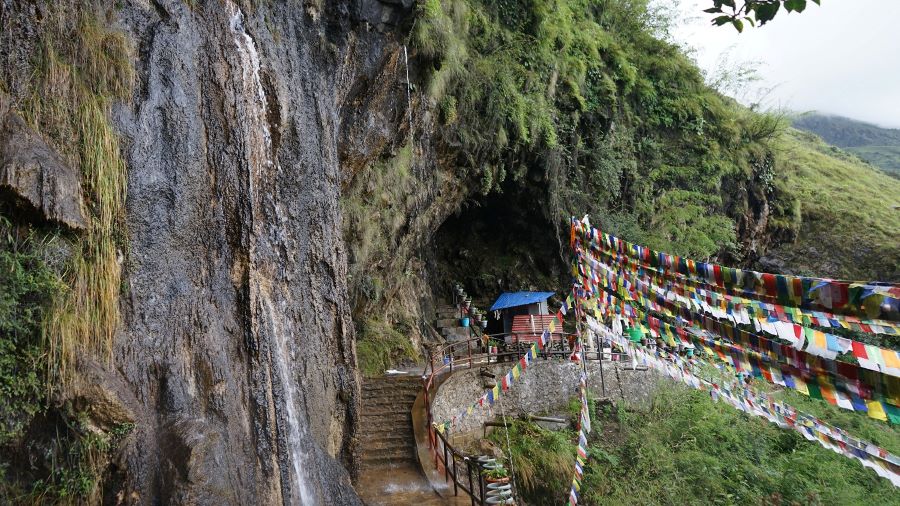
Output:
[[464, 321]]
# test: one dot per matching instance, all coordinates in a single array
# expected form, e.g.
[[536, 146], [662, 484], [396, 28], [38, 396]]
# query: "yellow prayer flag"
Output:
[[890, 358], [876, 410], [820, 339], [800, 385]]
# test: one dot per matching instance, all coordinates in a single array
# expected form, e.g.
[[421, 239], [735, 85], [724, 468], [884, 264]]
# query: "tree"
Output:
[[752, 11]]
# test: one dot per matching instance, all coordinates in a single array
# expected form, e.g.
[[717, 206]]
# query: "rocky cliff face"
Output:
[[235, 353], [237, 341]]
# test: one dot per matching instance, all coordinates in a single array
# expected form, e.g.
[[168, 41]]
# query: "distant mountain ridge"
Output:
[[874, 144]]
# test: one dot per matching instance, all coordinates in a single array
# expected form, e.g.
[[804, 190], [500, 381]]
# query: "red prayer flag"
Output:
[[859, 350]]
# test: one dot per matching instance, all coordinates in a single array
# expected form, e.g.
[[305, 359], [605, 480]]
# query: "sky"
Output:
[[841, 58]]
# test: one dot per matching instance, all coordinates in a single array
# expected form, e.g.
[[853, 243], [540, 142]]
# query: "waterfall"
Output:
[[252, 115], [408, 86]]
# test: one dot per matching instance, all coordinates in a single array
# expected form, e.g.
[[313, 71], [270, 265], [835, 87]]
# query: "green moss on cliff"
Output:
[[60, 289], [382, 345], [582, 104], [80, 69]]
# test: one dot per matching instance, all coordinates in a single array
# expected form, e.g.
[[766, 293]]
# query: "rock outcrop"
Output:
[[35, 173]]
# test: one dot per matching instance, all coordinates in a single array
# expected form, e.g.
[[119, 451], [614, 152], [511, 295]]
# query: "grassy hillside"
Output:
[[886, 158], [850, 212], [688, 449], [878, 146]]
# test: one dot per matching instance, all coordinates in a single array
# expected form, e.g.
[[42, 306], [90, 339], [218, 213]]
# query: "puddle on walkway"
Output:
[[401, 485]]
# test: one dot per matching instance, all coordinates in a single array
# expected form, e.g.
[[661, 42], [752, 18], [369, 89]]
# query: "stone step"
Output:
[[390, 404], [385, 413], [409, 388], [459, 331], [386, 446], [381, 431], [411, 385], [397, 437], [400, 398], [386, 418], [389, 456], [447, 322], [391, 380], [387, 392]]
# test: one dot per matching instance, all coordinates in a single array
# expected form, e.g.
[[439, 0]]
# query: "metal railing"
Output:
[[456, 466], [448, 461]]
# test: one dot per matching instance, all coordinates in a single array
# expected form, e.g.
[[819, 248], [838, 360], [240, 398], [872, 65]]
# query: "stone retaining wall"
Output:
[[547, 386]]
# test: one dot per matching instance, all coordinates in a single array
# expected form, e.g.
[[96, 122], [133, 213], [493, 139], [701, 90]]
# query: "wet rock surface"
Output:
[[237, 338]]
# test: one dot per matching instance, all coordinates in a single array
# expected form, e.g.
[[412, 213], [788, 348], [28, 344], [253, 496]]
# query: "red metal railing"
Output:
[[464, 355]]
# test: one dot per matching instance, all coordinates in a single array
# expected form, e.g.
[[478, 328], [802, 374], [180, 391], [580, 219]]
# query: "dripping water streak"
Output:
[[408, 85], [260, 158]]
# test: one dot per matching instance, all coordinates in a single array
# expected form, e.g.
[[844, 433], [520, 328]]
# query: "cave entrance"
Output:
[[498, 243]]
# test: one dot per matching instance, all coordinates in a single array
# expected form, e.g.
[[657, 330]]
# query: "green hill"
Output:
[[850, 212], [876, 145]]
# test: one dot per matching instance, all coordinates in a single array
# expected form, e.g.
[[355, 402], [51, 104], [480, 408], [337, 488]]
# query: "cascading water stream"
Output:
[[253, 111]]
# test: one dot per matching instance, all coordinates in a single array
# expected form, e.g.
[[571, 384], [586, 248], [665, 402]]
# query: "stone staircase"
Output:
[[386, 425], [447, 324], [391, 475]]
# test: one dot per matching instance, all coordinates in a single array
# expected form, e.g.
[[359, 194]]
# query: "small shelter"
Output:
[[512, 304]]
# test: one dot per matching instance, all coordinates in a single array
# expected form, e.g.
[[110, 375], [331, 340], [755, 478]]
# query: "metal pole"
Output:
[[471, 487], [480, 487], [455, 474], [446, 468]]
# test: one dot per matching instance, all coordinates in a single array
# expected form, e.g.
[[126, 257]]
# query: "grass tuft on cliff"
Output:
[[381, 345], [59, 290], [81, 67]]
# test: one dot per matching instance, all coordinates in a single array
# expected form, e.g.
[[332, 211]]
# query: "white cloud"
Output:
[[841, 58]]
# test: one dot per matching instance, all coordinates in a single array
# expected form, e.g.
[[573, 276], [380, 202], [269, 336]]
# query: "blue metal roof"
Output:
[[513, 299]]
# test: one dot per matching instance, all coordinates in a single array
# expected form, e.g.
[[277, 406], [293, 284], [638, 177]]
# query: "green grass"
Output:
[[50, 451], [380, 346], [850, 219], [887, 158], [80, 68], [878, 146], [687, 449], [858, 425]]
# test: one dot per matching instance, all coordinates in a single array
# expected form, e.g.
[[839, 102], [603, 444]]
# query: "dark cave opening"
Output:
[[500, 242]]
